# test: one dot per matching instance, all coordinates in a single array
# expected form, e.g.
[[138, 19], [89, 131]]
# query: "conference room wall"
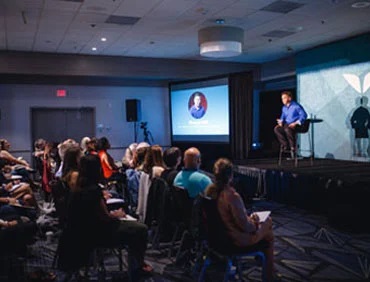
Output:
[[324, 92], [16, 102]]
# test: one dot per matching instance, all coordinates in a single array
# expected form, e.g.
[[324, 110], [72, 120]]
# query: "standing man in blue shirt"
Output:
[[292, 117]]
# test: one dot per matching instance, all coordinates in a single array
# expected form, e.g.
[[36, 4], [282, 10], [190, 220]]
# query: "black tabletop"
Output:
[[315, 120]]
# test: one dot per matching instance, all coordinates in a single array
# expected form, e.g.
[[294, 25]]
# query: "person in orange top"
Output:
[[106, 160]]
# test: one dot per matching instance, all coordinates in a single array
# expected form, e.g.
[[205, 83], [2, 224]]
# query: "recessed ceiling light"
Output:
[[360, 5], [94, 48], [103, 39]]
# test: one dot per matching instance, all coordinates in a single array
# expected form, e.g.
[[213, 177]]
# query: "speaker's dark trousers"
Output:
[[286, 136]]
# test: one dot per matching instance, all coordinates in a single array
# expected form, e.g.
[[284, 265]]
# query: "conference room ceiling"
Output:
[[169, 28]]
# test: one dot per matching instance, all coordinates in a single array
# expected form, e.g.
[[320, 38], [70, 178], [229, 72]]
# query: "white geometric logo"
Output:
[[354, 81]]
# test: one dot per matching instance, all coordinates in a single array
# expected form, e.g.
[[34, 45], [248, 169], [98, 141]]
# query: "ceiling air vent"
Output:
[[122, 20], [278, 33], [282, 7]]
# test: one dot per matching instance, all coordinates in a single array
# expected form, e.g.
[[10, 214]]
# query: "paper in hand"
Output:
[[263, 215]]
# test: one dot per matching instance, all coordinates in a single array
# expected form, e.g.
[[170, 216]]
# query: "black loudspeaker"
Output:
[[133, 110]]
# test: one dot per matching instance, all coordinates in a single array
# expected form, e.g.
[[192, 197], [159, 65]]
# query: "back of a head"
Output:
[[223, 171], [40, 144], [130, 152], [157, 155], [171, 156], [140, 155], [62, 147], [192, 158], [71, 159], [84, 142], [102, 144], [90, 170]]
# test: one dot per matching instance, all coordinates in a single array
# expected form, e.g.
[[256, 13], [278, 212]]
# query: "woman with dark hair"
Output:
[[70, 166], [153, 162], [11, 160], [244, 231], [172, 159], [90, 224], [107, 162]]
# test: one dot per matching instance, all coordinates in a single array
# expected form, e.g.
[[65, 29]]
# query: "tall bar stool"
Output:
[[303, 129]]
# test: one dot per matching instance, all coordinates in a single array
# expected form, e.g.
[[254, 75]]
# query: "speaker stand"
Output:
[[135, 132]]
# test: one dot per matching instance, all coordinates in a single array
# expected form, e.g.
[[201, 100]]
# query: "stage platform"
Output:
[[338, 189]]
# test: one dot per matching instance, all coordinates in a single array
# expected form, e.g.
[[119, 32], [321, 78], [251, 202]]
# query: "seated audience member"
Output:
[[91, 147], [15, 188], [50, 163], [110, 170], [90, 224], [11, 160], [62, 148], [128, 158], [17, 165], [83, 144], [70, 167], [38, 154], [172, 159], [153, 162], [190, 178], [139, 157], [243, 231]]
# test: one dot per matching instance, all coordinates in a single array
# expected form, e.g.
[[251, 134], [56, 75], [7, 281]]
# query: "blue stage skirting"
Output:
[[344, 200]]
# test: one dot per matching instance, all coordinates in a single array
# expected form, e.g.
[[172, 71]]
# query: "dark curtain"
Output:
[[241, 109]]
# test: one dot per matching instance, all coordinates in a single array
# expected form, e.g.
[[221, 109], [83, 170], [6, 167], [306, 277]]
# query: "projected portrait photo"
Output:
[[197, 105]]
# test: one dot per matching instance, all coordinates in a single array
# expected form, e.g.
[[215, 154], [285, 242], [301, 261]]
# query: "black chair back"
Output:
[[215, 230], [182, 205]]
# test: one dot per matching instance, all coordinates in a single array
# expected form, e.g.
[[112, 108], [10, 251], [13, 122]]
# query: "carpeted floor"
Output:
[[306, 249]]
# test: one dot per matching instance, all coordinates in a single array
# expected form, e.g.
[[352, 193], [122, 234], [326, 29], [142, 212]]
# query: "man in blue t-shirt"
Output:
[[190, 178], [197, 111], [292, 117]]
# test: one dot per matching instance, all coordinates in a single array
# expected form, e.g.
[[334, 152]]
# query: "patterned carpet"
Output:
[[306, 249]]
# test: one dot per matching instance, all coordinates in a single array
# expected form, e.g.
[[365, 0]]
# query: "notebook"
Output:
[[128, 218], [263, 215]]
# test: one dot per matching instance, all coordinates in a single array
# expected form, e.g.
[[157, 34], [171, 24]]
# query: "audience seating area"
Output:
[[186, 238]]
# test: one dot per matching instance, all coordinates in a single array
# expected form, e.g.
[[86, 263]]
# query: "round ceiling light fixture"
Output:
[[220, 41], [359, 5]]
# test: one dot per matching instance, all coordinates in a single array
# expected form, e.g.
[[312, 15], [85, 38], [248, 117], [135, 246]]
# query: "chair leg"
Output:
[[228, 273], [280, 155], [262, 258], [206, 263], [170, 251], [120, 261], [296, 157]]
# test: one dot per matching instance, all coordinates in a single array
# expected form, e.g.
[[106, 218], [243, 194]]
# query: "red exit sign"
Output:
[[61, 93]]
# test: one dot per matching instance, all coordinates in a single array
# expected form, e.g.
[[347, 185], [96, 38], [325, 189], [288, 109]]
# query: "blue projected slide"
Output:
[[200, 114]]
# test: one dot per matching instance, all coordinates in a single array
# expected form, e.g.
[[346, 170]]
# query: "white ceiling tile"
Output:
[[100, 6], [258, 18], [62, 5], [136, 8], [238, 10], [91, 17], [170, 9]]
